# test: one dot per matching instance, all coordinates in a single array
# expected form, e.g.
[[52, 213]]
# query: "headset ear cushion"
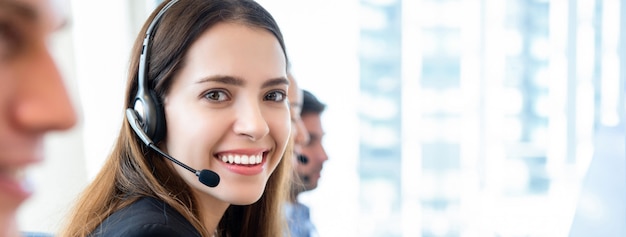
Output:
[[157, 116], [149, 111]]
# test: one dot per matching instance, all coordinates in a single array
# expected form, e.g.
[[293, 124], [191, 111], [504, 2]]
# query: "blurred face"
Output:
[[298, 131], [227, 111], [33, 99], [314, 151]]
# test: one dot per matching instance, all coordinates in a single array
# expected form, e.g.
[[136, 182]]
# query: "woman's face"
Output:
[[227, 111], [33, 99]]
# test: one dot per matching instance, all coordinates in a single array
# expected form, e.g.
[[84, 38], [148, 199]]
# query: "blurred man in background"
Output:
[[313, 154], [310, 160]]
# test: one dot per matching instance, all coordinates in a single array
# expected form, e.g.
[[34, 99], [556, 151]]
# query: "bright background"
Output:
[[444, 117]]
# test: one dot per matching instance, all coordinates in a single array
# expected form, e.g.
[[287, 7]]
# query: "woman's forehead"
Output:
[[238, 51]]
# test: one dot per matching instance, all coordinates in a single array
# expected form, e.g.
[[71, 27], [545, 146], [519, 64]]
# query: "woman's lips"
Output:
[[242, 159], [250, 164]]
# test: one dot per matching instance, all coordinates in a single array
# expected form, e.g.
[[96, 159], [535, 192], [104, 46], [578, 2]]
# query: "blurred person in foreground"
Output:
[[310, 157], [33, 98]]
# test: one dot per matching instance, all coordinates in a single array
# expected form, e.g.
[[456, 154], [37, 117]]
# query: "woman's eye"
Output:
[[216, 96], [276, 96]]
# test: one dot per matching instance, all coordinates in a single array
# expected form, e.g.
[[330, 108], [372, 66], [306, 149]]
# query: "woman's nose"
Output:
[[250, 121]]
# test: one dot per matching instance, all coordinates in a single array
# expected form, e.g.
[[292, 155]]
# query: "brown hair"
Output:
[[133, 171]]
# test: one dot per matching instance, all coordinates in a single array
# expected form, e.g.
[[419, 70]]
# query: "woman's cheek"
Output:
[[281, 122]]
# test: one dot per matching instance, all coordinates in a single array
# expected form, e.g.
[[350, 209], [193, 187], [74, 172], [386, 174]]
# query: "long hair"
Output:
[[133, 171]]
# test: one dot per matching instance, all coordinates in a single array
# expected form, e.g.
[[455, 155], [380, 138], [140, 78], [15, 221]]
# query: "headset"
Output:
[[147, 104], [147, 117]]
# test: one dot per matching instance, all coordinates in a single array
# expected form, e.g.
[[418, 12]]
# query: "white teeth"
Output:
[[242, 159]]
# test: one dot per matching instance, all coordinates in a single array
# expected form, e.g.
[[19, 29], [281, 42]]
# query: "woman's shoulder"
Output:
[[145, 217]]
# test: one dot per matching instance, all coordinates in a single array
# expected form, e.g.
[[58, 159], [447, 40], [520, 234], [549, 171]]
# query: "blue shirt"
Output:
[[299, 220]]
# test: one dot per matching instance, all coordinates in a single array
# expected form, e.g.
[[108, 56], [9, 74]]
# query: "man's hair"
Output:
[[310, 104]]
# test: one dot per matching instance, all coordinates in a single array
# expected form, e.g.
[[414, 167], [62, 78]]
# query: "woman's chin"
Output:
[[247, 199]]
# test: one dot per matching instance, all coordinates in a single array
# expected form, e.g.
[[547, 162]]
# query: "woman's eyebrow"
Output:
[[275, 82], [239, 82], [223, 79]]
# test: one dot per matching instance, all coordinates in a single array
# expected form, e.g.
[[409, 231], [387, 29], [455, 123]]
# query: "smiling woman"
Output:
[[207, 89]]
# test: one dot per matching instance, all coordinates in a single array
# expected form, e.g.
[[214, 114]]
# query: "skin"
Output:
[[313, 150], [230, 98], [33, 99], [298, 131]]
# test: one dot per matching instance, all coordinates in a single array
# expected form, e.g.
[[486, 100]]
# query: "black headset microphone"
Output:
[[207, 177], [302, 159], [147, 118]]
